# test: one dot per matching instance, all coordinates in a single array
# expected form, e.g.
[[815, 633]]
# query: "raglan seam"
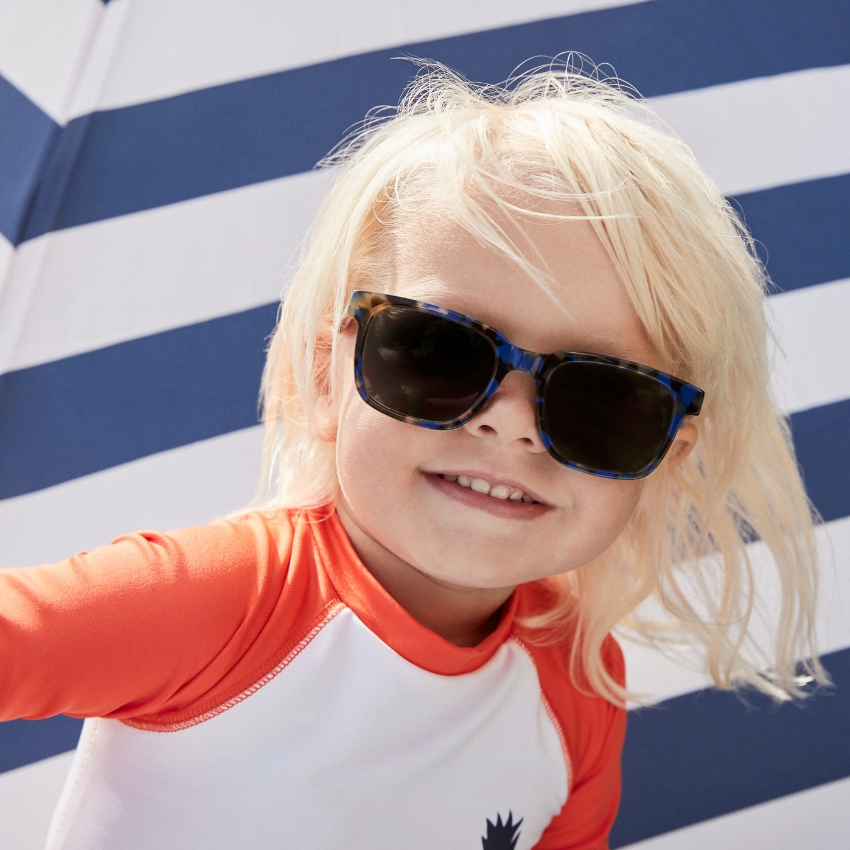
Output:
[[330, 611], [553, 717]]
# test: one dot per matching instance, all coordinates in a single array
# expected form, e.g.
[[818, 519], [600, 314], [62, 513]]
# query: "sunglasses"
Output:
[[428, 366]]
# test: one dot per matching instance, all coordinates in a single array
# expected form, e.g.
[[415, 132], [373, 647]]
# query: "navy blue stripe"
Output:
[[822, 440], [25, 741], [93, 411], [802, 230], [82, 414], [124, 160], [25, 137], [78, 415], [706, 754]]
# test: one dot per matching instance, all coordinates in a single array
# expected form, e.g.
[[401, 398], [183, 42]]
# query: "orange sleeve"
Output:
[[594, 730], [151, 624]]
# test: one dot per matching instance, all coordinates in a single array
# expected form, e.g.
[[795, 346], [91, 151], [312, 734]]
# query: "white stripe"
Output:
[[100, 57], [833, 620], [88, 287], [28, 796], [197, 483], [43, 46], [659, 678], [816, 818], [769, 131], [811, 370], [188, 486], [80, 289], [168, 47]]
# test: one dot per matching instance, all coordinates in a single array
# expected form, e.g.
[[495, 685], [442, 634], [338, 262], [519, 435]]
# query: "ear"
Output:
[[683, 442], [326, 413]]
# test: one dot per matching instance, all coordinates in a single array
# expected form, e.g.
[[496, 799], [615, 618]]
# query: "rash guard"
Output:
[[249, 683]]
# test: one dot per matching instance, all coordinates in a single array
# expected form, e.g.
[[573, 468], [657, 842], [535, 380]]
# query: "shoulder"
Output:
[[153, 622], [229, 541], [250, 588], [207, 566], [252, 548]]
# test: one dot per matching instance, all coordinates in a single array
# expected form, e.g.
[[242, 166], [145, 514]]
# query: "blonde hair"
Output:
[[552, 136]]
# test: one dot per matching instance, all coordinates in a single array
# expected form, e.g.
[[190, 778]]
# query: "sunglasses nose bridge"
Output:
[[521, 359]]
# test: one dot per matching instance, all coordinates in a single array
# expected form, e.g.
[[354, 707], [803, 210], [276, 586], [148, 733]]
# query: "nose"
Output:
[[510, 416]]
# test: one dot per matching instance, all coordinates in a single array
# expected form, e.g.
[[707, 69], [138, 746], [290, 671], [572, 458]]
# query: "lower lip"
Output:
[[503, 508]]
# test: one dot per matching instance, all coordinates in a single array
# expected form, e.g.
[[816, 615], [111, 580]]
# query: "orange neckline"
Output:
[[360, 591]]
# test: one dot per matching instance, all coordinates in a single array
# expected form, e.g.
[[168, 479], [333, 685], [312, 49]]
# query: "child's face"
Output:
[[394, 494]]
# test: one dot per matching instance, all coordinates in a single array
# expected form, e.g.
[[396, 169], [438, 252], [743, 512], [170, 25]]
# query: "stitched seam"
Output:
[[333, 609], [568, 764]]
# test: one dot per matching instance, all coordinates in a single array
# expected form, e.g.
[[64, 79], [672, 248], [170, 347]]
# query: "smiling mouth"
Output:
[[502, 492]]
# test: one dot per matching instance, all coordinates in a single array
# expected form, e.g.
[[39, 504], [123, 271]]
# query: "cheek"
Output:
[[355, 437], [370, 451], [621, 498], [605, 508]]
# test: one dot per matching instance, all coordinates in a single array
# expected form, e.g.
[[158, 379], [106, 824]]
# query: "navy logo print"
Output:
[[501, 836]]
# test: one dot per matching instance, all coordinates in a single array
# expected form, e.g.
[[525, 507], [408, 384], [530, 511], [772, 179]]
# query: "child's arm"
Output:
[[150, 623]]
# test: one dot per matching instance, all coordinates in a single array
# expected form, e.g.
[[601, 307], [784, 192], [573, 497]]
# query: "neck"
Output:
[[462, 615]]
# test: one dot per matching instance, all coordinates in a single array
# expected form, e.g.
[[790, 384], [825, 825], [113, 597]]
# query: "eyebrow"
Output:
[[431, 292], [610, 347]]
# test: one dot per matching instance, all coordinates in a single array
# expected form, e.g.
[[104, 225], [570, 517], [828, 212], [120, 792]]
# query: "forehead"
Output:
[[587, 307]]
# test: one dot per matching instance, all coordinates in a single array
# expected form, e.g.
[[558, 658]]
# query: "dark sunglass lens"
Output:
[[425, 366], [606, 417]]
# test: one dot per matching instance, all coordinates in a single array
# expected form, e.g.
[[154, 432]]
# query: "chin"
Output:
[[488, 576]]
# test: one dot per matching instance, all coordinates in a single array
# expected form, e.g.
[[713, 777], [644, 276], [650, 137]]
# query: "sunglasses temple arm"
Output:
[[693, 405]]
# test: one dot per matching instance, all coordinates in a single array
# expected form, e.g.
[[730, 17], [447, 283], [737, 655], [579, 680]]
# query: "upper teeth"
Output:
[[500, 491]]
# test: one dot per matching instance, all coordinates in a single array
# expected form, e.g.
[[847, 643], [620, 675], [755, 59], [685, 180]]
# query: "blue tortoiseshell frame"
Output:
[[687, 398]]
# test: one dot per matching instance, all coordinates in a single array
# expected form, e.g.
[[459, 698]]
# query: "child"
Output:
[[409, 644]]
